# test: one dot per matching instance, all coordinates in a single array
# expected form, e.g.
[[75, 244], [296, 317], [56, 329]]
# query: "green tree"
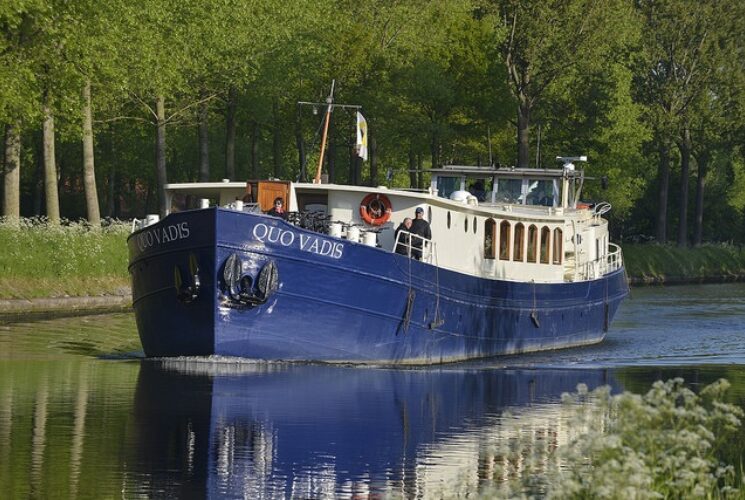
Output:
[[686, 44], [545, 40]]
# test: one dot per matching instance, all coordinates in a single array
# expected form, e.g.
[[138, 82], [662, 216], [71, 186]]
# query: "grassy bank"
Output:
[[39, 260], [668, 264]]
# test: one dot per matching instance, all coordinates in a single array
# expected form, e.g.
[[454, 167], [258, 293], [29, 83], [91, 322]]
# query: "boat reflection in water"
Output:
[[312, 431]]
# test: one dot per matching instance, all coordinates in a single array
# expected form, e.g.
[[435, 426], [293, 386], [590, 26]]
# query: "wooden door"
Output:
[[269, 190]]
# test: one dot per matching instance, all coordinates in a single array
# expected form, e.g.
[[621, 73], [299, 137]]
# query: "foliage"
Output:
[[667, 443], [42, 260], [665, 263], [439, 81]]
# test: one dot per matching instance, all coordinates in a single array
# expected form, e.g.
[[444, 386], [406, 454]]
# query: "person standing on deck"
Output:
[[403, 240], [420, 227]]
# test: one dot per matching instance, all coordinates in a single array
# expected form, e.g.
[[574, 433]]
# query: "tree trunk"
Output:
[[89, 172], [434, 146], [255, 150], [685, 162], [373, 155], [412, 168], [12, 191], [50, 167], [523, 136], [663, 180], [703, 163], [300, 143], [38, 174], [111, 180], [419, 172], [276, 143], [204, 141], [230, 136], [160, 154]]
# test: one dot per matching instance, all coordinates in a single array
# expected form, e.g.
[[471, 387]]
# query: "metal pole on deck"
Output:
[[329, 101]]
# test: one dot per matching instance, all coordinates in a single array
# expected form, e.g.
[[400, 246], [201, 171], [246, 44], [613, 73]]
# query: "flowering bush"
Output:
[[666, 443], [34, 248]]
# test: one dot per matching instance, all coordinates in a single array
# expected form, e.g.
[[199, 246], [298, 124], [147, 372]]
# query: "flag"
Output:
[[361, 136]]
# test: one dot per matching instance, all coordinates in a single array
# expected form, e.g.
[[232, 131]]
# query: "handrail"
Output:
[[427, 246], [611, 261]]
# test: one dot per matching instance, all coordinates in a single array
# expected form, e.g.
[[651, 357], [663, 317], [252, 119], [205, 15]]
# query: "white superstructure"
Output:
[[508, 224]]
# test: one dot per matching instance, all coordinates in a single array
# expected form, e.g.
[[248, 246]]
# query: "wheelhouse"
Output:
[[558, 188]]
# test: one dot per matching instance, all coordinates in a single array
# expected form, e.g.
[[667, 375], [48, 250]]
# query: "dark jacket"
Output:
[[420, 227], [403, 243], [274, 212]]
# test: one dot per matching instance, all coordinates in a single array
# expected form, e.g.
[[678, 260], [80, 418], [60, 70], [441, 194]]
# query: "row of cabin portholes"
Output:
[[465, 226], [544, 246]]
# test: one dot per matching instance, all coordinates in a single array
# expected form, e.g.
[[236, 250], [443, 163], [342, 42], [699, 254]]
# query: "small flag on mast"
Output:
[[361, 136]]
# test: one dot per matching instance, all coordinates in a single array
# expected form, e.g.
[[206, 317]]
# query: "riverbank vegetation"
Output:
[[102, 102], [73, 259], [667, 443], [660, 264], [39, 259]]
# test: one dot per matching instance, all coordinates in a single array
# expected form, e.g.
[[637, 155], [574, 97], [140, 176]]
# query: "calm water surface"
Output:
[[83, 415]]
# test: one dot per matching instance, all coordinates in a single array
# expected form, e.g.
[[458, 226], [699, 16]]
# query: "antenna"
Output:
[[568, 161]]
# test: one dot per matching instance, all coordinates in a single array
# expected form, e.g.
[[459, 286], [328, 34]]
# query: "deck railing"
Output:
[[414, 245], [612, 261]]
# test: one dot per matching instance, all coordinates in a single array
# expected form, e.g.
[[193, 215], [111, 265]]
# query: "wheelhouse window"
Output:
[[541, 192], [558, 245], [446, 185], [504, 240], [490, 233], [545, 244], [509, 191], [532, 243], [518, 250]]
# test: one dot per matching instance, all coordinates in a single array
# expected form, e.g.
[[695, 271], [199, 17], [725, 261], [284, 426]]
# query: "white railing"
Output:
[[415, 245], [611, 261]]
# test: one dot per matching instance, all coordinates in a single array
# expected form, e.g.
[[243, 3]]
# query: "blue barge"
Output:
[[505, 271]]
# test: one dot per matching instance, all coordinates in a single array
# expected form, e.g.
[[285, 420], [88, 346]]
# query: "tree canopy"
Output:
[[166, 90]]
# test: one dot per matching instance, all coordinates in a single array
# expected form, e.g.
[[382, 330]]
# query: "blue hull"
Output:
[[338, 301]]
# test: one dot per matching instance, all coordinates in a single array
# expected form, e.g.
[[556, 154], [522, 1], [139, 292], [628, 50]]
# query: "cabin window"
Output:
[[540, 192], [532, 243], [518, 251], [504, 240], [466, 226], [447, 185], [558, 245], [429, 215], [474, 225], [545, 244], [490, 232], [448, 219], [509, 191]]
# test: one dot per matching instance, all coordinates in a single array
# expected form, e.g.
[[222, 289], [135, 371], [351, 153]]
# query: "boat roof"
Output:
[[511, 172]]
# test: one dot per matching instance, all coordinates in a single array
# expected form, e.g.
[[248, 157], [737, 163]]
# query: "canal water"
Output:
[[83, 415]]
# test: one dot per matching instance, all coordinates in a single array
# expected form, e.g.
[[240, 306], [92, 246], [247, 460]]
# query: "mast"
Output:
[[330, 102], [329, 108]]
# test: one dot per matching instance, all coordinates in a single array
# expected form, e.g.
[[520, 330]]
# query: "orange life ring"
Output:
[[375, 209]]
